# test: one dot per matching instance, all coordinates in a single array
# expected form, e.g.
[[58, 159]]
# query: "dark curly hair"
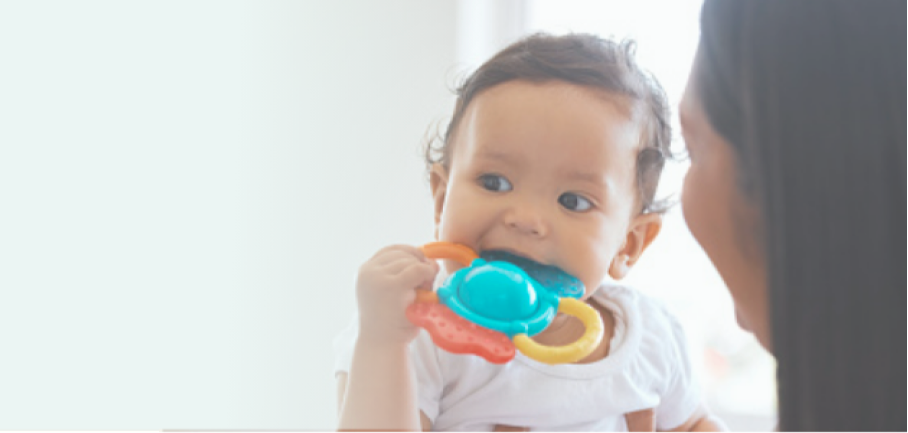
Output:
[[585, 60]]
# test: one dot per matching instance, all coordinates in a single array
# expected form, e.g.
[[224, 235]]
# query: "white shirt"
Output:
[[647, 367]]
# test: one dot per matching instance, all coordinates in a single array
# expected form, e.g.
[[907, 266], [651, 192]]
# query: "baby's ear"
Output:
[[641, 233], [438, 182]]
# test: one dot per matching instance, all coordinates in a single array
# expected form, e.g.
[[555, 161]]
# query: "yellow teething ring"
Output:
[[572, 352]]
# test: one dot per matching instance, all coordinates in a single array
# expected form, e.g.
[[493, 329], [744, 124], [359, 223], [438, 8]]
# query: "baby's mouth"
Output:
[[551, 277]]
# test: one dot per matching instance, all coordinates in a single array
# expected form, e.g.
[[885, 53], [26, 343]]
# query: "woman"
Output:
[[795, 124]]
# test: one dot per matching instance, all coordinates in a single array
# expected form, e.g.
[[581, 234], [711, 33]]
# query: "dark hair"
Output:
[[809, 95], [584, 60]]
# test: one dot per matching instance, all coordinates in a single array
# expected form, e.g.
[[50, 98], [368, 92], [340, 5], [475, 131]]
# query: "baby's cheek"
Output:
[[588, 273], [596, 263]]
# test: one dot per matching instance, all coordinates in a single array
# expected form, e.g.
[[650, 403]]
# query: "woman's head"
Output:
[[583, 60], [804, 117], [724, 219]]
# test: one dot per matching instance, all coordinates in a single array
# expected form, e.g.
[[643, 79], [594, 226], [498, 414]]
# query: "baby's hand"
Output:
[[385, 286]]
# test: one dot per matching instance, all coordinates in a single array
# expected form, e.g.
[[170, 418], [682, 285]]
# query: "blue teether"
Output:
[[551, 277], [508, 293]]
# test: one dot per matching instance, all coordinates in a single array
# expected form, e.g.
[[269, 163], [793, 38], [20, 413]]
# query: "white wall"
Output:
[[186, 191]]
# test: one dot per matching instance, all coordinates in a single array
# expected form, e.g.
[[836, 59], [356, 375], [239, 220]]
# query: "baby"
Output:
[[553, 154]]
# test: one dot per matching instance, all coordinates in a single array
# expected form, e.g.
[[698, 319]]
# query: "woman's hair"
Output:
[[809, 94], [588, 61]]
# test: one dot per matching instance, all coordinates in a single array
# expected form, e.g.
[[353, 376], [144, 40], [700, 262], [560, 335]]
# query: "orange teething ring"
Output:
[[446, 250]]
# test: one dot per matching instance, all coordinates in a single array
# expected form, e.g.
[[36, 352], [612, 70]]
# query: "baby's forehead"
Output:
[[509, 90], [542, 116], [522, 104]]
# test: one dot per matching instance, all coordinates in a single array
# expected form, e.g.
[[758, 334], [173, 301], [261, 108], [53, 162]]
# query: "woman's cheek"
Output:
[[688, 201]]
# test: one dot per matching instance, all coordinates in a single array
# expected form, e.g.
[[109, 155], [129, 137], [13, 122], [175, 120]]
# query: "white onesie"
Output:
[[647, 367]]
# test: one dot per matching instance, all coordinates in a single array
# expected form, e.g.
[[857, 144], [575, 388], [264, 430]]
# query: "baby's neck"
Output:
[[566, 329]]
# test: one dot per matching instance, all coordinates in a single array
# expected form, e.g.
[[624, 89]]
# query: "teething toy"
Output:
[[497, 302]]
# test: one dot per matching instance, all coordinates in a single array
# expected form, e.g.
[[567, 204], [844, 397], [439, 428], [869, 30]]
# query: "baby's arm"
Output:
[[424, 421], [683, 390], [379, 392], [701, 420]]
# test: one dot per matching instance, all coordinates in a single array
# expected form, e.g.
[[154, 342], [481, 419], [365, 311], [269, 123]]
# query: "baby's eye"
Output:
[[574, 202], [494, 182]]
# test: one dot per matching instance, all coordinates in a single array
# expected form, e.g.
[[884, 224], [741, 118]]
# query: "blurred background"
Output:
[[187, 189]]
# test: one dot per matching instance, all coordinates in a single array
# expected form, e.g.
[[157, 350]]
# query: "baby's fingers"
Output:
[[419, 274], [394, 253], [401, 264]]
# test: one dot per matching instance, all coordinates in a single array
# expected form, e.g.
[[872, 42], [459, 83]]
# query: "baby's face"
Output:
[[544, 171]]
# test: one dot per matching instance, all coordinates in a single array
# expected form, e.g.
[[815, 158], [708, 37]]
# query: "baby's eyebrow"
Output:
[[585, 176], [496, 155]]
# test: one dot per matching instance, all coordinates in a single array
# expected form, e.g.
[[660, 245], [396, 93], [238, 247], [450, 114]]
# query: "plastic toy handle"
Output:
[[444, 250], [572, 352], [447, 250], [448, 330]]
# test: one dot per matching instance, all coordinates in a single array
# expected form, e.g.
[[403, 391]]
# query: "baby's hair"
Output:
[[585, 60]]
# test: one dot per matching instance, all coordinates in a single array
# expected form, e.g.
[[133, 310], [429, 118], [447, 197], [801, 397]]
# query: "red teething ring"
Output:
[[450, 331]]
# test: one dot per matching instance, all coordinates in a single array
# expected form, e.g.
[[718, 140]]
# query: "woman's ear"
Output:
[[641, 233], [438, 182]]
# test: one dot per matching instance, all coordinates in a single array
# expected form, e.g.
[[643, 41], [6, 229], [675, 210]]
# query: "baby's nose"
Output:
[[527, 221]]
